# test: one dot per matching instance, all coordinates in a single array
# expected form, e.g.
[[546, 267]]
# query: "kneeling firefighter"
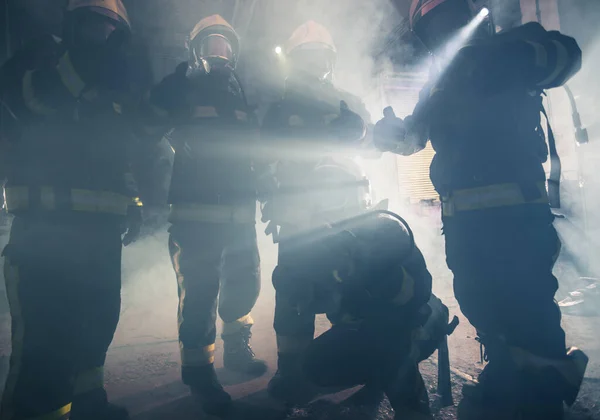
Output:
[[371, 280], [70, 189], [482, 112], [311, 136], [212, 242]]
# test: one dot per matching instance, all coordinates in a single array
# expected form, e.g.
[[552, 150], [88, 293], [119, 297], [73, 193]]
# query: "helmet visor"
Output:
[[99, 31], [441, 24], [214, 46], [317, 62]]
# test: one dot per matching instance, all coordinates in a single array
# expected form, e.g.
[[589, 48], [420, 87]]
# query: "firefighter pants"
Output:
[[294, 330], [213, 263], [502, 262], [374, 355], [63, 281]]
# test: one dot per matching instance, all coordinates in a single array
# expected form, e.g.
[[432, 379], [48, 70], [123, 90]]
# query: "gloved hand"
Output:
[[389, 132], [349, 127], [134, 225]]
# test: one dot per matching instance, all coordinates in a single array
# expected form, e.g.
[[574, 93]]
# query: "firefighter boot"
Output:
[[206, 389], [289, 385], [93, 405], [408, 396], [367, 399], [238, 355]]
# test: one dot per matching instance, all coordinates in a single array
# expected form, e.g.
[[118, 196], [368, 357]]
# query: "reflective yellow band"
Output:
[[60, 414], [289, 344], [197, 357], [211, 112], [241, 115], [137, 202], [159, 112], [17, 199], [205, 112], [407, 291], [89, 380], [69, 76], [13, 280], [117, 108], [32, 102], [236, 326], [491, 196], [212, 213]]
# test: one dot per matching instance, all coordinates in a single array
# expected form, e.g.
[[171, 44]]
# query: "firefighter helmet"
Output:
[[311, 51], [214, 39], [435, 21], [310, 35], [113, 9]]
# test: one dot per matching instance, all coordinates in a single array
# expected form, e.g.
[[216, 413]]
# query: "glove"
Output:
[[348, 127], [134, 225], [389, 132]]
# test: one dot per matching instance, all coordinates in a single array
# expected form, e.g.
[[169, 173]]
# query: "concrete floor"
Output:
[[142, 370]]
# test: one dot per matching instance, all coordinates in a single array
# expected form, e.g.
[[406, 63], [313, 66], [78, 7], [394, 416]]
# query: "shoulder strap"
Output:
[[555, 166]]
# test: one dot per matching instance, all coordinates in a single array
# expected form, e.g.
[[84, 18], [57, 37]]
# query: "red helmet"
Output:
[[435, 21]]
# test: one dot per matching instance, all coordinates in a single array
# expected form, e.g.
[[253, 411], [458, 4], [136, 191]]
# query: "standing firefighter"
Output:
[[371, 280], [482, 114], [312, 133], [70, 189], [213, 242]]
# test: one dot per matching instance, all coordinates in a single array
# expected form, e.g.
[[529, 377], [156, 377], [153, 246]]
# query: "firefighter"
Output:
[[370, 279], [313, 132], [482, 114], [69, 186], [213, 243]]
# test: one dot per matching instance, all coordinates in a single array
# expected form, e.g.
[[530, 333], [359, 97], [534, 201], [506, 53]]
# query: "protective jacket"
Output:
[[379, 273], [70, 142], [483, 114], [310, 137], [214, 137]]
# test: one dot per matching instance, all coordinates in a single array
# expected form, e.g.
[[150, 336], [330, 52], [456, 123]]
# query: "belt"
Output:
[[213, 213], [18, 199], [490, 196]]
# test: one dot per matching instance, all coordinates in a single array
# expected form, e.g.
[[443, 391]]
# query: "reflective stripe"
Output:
[[117, 108], [491, 196], [89, 380], [236, 326], [562, 60], [197, 357], [159, 112], [205, 112], [541, 55], [17, 199], [211, 112], [241, 115], [31, 101], [60, 414], [290, 344], [435, 90], [69, 76], [407, 291], [180, 282], [12, 280], [213, 213]]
